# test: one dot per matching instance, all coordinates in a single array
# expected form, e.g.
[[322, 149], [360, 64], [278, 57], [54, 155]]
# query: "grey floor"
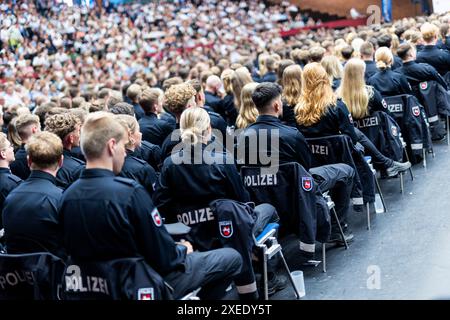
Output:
[[406, 254]]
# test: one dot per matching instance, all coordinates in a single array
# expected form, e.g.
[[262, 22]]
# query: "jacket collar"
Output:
[[96, 173], [37, 174]]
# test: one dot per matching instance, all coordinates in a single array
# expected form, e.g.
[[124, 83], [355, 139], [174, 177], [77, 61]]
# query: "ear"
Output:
[[111, 146], [71, 138], [29, 161], [61, 161], [3, 154]]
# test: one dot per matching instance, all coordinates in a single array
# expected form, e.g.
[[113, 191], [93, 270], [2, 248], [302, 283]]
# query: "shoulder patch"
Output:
[[126, 181], [424, 85], [14, 178], [384, 103], [156, 217], [415, 111], [350, 118], [307, 183]]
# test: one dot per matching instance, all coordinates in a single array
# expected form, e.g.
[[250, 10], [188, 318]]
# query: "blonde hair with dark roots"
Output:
[[292, 84], [317, 95], [248, 112]]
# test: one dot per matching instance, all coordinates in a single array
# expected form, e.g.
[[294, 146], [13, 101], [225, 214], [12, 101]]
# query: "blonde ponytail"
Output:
[[194, 125]]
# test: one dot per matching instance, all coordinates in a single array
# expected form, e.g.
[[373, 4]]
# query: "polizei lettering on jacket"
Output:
[[318, 149], [367, 122], [196, 216], [397, 107], [75, 282], [261, 180], [14, 278]]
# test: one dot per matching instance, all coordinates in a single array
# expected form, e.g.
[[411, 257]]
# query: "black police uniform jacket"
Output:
[[140, 171], [70, 170], [19, 166], [105, 217], [184, 190], [30, 216], [390, 83], [8, 182], [439, 59], [154, 130]]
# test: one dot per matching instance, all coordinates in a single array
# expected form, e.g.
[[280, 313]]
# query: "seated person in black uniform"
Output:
[[133, 93], [430, 53], [133, 167], [292, 147], [417, 72], [105, 217], [67, 128], [147, 151], [153, 130], [201, 179], [8, 181], [386, 81], [319, 113], [25, 125], [30, 211], [178, 98], [385, 40], [367, 52]]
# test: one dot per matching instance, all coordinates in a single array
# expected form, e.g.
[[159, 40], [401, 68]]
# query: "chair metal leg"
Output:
[[381, 195], [368, 215], [289, 275], [424, 158], [340, 228], [410, 169], [266, 280], [324, 258], [401, 183]]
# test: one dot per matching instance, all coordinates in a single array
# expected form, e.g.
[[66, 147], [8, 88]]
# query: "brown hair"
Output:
[[45, 150], [61, 124]]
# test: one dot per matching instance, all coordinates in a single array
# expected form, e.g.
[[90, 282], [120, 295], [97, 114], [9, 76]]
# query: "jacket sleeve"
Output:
[[346, 125], [406, 88], [436, 76], [162, 195], [152, 238], [235, 184]]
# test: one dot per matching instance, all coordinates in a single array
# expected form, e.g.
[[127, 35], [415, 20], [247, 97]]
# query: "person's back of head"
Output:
[[6, 150], [367, 50], [213, 83], [282, 65], [133, 92], [316, 54], [114, 97], [226, 79], [248, 112], [384, 58], [64, 125], [149, 99], [429, 33], [180, 97], [170, 82], [195, 126], [44, 151], [103, 141], [239, 79], [26, 125], [385, 40], [292, 84], [267, 97], [200, 96], [80, 114], [347, 52], [353, 89], [271, 64], [131, 126], [122, 108], [443, 30], [317, 95], [406, 51], [332, 66], [77, 102], [65, 102], [74, 92], [103, 93]]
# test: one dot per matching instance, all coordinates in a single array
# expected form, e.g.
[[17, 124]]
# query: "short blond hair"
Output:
[[23, 123], [3, 141], [134, 91], [97, 130], [429, 31], [130, 124], [44, 150], [178, 96]]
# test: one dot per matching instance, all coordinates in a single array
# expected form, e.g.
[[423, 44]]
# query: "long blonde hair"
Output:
[[332, 66], [194, 125], [317, 95], [353, 90], [239, 79], [292, 84], [248, 112]]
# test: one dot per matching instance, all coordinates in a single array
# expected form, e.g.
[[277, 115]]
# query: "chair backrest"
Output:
[[434, 98], [384, 133], [31, 276], [413, 122], [291, 190], [120, 279], [339, 149]]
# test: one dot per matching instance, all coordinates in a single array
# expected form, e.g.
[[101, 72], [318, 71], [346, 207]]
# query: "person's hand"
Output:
[[187, 244]]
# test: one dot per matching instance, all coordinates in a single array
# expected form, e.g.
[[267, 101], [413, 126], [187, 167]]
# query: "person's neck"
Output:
[[4, 164], [368, 59], [272, 114], [131, 148], [68, 147], [408, 60], [49, 171], [432, 43], [99, 164]]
